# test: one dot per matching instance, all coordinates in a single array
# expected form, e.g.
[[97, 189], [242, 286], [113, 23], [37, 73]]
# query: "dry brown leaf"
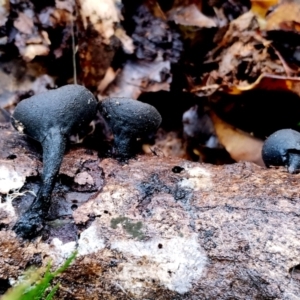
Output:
[[191, 16], [245, 22], [285, 17], [260, 9], [263, 82], [30, 39], [242, 55], [67, 5], [155, 9], [31, 51], [240, 145], [126, 41], [24, 23], [54, 17], [230, 60], [267, 82], [109, 77], [242, 30], [141, 76]]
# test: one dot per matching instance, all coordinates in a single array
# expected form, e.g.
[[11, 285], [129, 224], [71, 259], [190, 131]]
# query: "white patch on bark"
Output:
[[10, 179], [175, 263], [59, 251], [199, 178], [90, 241], [7, 210], [83, 178]]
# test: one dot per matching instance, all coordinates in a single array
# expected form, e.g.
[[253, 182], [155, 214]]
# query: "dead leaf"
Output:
[[240, 145], [127, 43], [155, 9], [242, 56], [141, 76], [67, 5], [191, 16], [241, 30], [260, 9], [109, 77], [230, 60], [285, 17], [24, 23], [83, 178], [31, 51], [267, 82], [245, 22]]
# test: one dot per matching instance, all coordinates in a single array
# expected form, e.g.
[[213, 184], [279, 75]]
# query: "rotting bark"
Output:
[[158, 228]]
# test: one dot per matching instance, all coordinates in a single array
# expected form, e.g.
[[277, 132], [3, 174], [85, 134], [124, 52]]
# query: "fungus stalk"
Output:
[[50, 118], [32, 221]]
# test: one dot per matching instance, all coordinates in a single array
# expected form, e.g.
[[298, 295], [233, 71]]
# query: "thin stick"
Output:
[[289, 72], [73, 49]]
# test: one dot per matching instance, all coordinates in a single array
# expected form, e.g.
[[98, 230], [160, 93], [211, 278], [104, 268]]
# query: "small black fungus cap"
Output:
[[282, 148], [129, 120], [50, 118], [66, 108]]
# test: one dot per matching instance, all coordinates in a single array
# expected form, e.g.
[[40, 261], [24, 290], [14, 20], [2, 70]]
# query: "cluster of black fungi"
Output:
[[51, 117]]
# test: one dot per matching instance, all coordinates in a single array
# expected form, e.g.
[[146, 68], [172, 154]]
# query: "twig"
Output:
[[289, 72], [73, 47]]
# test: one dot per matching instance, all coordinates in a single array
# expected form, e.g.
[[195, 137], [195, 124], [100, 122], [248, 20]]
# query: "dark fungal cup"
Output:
[[129, 120], [282, 148], [50, 118]]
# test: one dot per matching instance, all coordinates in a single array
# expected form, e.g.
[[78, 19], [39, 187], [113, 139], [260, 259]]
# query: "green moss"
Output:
[[36, 283], [134, 229]]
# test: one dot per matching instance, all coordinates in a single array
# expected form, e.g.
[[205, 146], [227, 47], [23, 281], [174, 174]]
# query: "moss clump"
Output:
[[134, 229]]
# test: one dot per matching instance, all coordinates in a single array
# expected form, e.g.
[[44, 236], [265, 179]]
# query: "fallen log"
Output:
[[155, 228]]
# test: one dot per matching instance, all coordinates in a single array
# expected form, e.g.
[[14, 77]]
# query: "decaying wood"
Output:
[[158, 228]]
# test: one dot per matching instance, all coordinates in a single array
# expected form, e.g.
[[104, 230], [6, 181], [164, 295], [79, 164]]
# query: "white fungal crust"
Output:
[[90, 241], [18, 125], [198, 178], [175, 263], [172, 262], [10, 179]]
